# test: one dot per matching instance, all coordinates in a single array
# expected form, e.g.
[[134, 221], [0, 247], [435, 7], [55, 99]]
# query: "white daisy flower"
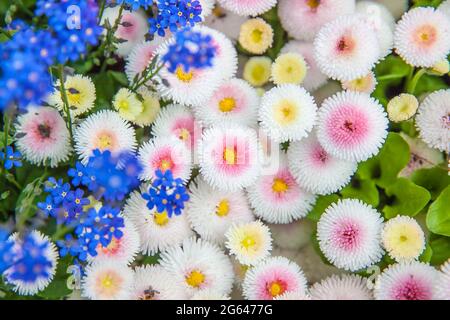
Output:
[[433, 120], [349, 234], [272, 278], [199, 265], [104, 130], [107, 280], [352, 126], [406, 281], [293, 295], [42, 136], [346, 48], [287, 112], [208, 294], [235, 101], [316, 170], [442, 286], [248, 8], [422, 37], [343, 287], [445, 8], [207, 8], [212, 212]]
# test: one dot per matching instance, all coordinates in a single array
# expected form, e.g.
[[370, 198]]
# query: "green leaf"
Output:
[[384, 167], [429, 83], [365, 190], [406, 198], [438, 216], [322, 203], [434, 180], [58, 289], [441, 249], [2, 140], [120, 77], [426, 254]]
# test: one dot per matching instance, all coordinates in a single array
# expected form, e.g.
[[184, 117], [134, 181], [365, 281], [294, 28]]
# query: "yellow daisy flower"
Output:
[[257, 71], [289, 68], [256, 36], [127, 104], [402, 107]]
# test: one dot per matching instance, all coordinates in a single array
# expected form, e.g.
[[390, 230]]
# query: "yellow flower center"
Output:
[[161, 219], [223, 208], [165, 164], [184, 134], [107, 281], [74, 98], [124, 105], [227, 104], [184, 76], [279, 185], [313, 4], [426, 34], [275, 289], [230, 156], [195, 279], [403, 238], [286, 113], [256, 35], [105, 141], [248, 242]]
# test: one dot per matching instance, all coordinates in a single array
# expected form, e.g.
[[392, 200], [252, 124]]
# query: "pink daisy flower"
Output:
[[442, 287], [42, 136], [352, 126], [272, 278], [248, 7], [229, 157], [302, 19], [343, 287], [406, 281]]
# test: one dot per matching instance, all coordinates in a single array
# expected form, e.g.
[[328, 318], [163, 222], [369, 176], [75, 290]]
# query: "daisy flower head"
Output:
[[150, 108], [122, 250], [256, 36], [165, 153], [127, 104], [257, 70], [433, 120], [402, 107], [153, 282], [314, 77], [442, 287], [293, 295], [341, 287], [199, 265], [211, 213], [104, 130], [277, 198], [80, 91], [230, 157], [273, 277], [303, 19], [35, 262], [366, 84], [349, 234], [235, 101], [250, 242], [209, 295], [422, 37], [225, 21], [42, 136], [248, 7], [346, 48], [287, 112], [352, 126], [403, 238], [156, 230], [289, 68], [207, 7], [445, 7], [441, 67], [178, 121], [140, 58], [315, 169], [412, 280], [107, 280]]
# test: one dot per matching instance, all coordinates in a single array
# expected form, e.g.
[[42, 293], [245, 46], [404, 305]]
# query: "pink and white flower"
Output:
[[248, 7]]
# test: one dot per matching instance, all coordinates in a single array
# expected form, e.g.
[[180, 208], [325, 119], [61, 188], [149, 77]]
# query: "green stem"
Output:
[[66, 107], [390, 77], [102, 10], [412, 84], [147, 78], [61, 230], [24, 8], [109, 37]]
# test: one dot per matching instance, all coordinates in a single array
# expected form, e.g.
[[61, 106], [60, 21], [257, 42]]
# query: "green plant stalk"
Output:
[[102, 10], [390, 77], [66, 108], [147, 78], [412, 83], [109, 37]]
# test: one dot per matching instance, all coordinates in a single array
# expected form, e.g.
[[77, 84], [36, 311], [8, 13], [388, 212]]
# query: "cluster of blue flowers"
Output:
[[175, 14], [136, 4], [166, 194], [10, 158], [191, 49]]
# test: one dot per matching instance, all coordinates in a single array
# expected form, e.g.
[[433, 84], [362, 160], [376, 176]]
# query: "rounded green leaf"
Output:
[[365, 190], [434, 180], [322, 203], [438, 216]]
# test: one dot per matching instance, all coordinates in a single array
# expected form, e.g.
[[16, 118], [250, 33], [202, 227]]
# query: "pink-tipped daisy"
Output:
[[346, 48], [277, 197], [235, 101], [104, 130], [352, 126], [140, 58], [248, 7], [225, 21], [442, 287], [287, 112], [272, 278], [156, 230], [211, 213], [343, 287], [293, 295], [230, 157], [302, 19], [406, 281], [433, 120], [42, 136], [177, 121], [315, 169], [122, 250], [422, 37], [199, 265], [349, 234], [153, 282], [165, 153], [314, 77], [107, 280]]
